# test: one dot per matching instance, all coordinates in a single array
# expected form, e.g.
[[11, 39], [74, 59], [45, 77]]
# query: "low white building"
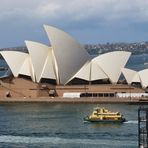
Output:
[[132, 95]]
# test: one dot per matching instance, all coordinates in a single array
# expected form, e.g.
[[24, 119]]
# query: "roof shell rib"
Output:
[[69, 54], [19, 63], [128, 74], [42, 60]]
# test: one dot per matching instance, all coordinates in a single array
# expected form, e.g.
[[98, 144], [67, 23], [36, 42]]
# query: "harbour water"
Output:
[[37, 125], [138, 62]]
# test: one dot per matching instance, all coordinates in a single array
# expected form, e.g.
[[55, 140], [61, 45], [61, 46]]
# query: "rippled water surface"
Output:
[[61, 125]]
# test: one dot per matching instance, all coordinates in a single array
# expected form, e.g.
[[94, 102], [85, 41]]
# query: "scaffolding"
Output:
[[143, 127]]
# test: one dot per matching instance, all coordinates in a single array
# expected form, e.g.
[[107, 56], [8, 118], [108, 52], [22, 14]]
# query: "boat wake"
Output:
[[56, 140], [132, 122]]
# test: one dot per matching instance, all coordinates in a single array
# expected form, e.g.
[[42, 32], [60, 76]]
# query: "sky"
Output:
[[88, 21]]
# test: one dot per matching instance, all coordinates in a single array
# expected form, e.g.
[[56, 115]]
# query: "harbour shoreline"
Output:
[[75, 100]]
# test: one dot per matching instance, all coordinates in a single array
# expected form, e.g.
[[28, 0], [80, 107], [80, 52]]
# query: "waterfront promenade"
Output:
[[75, 100]]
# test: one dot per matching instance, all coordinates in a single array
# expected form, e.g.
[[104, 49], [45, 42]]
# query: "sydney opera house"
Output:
[[65, 67]]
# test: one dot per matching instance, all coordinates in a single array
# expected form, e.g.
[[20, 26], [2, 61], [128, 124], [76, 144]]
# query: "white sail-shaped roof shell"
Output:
[[65, 60], [141, 77], [128, 74], [49, 67], [112, 62], [106, 66], [84, 72], [96, 72], [144, 77], [19, 63], [70, 55], [136, 78], [27, 68], [91, 72], [42, 60]]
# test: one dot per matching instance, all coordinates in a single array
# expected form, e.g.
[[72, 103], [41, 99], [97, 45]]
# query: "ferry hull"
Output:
[[87, 119]]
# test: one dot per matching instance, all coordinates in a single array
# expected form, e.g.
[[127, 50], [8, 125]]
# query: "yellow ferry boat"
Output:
[[104, 115]]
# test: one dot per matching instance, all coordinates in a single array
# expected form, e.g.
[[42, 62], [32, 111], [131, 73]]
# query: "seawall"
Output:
[[75, 100]]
